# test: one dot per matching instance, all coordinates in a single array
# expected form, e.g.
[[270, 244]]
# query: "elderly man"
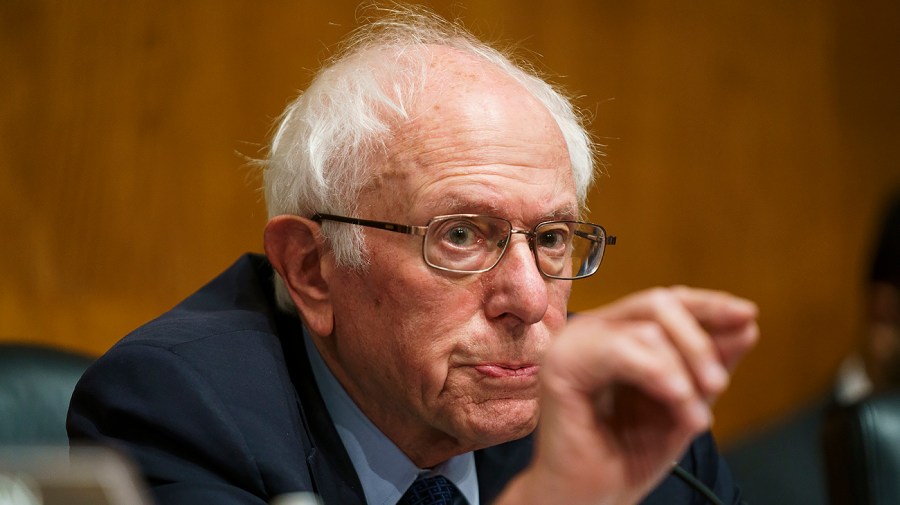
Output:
[[406, 336]]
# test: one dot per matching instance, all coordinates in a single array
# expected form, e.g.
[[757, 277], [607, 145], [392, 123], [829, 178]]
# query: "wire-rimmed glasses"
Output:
[[474, 243]]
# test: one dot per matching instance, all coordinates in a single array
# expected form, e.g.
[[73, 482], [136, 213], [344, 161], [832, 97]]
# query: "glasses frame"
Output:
[[422, 231]]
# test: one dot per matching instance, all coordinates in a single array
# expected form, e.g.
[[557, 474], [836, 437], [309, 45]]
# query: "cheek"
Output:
[[419, 296], [558, 298], [418, 316], [433, 318]]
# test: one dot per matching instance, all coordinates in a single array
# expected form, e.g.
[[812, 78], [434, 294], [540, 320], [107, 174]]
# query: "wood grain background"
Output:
[[749, 147]]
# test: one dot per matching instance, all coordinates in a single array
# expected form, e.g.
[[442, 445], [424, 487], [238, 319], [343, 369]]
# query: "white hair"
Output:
[[320, 156]]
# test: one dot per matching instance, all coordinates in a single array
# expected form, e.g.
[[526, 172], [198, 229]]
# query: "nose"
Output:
[[516, 290]]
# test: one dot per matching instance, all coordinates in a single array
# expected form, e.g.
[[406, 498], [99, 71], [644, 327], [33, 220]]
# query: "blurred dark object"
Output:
[[785, 462], [36, 384], [886, 255], [862, 452], [881, 348]]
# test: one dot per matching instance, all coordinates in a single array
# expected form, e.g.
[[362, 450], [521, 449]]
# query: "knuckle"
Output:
[[661, 298], [649, 332], [681, 291]]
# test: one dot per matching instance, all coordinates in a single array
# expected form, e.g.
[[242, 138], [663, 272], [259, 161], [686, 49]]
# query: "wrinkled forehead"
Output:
[[474, 131]]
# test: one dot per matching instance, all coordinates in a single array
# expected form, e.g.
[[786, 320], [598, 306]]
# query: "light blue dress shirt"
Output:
[[383, 469]]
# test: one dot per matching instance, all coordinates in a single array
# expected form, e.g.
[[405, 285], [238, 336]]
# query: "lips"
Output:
[[502, 370]]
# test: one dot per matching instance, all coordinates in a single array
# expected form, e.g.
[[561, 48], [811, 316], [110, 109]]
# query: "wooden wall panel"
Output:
[[749, 146]]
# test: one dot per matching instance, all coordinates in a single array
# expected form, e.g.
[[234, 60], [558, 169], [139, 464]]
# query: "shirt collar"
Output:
[[383, 469]]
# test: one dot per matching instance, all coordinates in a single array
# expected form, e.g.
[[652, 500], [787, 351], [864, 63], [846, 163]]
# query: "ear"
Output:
[[296, 250]]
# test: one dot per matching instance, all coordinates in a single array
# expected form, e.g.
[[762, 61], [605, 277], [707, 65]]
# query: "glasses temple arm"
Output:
[[609, 240], [381, 225]]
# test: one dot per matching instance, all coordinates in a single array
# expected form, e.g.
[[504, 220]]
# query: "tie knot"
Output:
[[435, 490]]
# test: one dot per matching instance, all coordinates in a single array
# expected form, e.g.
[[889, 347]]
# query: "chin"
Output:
[[503, 421]]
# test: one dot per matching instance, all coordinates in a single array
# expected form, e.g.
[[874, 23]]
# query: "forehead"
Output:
[[478, 142]]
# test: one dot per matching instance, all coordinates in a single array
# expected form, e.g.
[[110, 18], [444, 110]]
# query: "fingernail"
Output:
[[715, 377], [749, 306]]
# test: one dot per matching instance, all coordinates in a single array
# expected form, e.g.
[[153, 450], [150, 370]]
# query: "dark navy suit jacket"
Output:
[[216, 402]]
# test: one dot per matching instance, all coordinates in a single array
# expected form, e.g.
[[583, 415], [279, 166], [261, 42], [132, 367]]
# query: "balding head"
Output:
[[322, 154]]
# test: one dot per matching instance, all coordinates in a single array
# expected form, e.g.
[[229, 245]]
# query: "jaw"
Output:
[[476, 426]]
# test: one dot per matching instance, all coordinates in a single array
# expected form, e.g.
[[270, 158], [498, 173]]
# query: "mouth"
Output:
[[507, 370]]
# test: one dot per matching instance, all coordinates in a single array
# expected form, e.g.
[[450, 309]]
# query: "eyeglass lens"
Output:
[[467, 243]]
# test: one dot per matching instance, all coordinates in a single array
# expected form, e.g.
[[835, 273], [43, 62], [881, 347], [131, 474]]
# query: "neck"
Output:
[[424, 445]]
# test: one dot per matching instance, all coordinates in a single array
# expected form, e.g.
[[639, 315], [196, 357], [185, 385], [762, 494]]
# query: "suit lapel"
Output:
[[497, 465], [332, 472]]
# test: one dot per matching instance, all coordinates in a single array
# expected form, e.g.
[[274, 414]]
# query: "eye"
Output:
[[460, 235], [553, 239]]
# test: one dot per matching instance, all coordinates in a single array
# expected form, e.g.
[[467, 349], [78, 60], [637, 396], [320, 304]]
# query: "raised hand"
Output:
[[626, 387]]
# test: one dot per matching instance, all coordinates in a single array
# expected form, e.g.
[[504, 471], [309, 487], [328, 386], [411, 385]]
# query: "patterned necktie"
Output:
[[436, 490]]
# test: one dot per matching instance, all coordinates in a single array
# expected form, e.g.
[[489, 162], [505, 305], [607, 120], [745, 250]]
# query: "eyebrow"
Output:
[[453, 204]]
